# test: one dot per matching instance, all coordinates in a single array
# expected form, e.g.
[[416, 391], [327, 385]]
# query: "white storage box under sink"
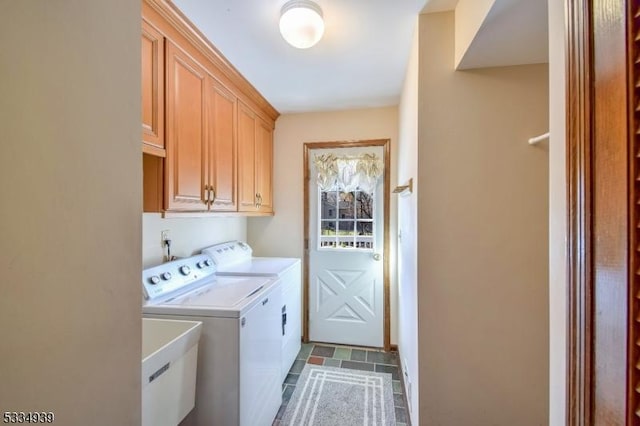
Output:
[[169, 364]]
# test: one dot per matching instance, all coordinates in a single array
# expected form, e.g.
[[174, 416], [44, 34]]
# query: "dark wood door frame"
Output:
[[386, 144], [579, 69], [603, 194]]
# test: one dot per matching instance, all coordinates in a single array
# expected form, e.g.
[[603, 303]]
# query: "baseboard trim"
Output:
[[404, 388]]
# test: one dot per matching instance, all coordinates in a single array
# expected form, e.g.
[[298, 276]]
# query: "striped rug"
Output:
[[330, 396]]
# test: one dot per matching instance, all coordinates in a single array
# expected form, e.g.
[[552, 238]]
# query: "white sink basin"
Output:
[[169, 362]]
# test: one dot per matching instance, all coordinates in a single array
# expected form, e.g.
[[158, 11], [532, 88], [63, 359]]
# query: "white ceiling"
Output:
[[361, 60], [515, 32], [359, 63]]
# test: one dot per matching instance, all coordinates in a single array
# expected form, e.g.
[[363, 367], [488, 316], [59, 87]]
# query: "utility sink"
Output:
[[169, 363]]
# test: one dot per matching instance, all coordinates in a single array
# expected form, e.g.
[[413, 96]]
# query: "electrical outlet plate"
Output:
[[407, 381], [164, 236]]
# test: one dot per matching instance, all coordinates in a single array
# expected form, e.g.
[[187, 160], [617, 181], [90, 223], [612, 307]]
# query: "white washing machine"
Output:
[[239, 358], [235, 258]]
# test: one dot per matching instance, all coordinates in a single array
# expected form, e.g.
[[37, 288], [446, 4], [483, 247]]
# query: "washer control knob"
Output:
[[154, 279], [185, 270], [166, 276], [200, 264], [208, 262]]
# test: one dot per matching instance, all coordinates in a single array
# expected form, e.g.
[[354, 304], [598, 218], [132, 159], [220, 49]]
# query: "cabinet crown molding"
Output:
[[187, 29]]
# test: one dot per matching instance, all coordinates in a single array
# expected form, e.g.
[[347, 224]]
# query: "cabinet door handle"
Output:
[[212, 197], [206, 194]]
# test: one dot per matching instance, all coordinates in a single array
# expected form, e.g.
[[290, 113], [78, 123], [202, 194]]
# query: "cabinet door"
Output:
[[264, 166], [246, 159], [152, 90], [186, 162], [222, 146]]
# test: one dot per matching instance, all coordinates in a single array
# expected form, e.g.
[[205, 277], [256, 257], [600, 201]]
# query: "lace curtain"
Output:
[[348, 172]]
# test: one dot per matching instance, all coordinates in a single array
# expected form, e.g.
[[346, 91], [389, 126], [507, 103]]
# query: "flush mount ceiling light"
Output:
[[301, 23]]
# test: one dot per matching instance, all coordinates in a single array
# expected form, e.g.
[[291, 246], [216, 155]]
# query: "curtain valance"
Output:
[[348, 173]]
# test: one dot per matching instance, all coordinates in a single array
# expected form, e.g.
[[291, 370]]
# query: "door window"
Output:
[[346, 220]]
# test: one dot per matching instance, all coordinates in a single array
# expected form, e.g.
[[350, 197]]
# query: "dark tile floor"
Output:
[[346, 357]]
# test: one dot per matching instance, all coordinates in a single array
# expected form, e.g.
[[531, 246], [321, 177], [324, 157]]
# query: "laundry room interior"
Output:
[[278, 196], [364, 228]]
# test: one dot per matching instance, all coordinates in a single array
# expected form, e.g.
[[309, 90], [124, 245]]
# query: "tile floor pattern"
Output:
[[351, 358]]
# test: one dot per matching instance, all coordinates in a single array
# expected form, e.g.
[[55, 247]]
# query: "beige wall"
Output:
[[557, 217], [282, 234], [188, 235], [407, 160], [482, 239], [71, 203]]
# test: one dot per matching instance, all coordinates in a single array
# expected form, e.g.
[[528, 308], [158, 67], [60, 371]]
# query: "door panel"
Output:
[[610, 217], [152, 86], [264, 165], [346, 282], [186, 137], [246, 158], [222, 146], [633, 159]]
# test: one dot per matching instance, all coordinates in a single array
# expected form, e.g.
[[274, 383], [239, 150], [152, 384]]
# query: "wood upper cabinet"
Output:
[[186, 164], [221, 125], [152, 90], [214, 130], [201, 138], [255, 152]]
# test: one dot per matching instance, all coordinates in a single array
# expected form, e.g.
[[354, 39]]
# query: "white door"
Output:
[[346, 289]]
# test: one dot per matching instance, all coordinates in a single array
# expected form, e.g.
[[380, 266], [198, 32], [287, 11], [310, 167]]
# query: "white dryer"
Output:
[[235, 258], [239, 360]]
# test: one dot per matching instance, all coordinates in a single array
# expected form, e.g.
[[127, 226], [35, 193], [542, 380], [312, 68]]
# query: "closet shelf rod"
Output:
[[537, 139]]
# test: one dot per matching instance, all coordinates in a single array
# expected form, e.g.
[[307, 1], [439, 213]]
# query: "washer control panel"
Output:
[[171, 277], [229, 253]]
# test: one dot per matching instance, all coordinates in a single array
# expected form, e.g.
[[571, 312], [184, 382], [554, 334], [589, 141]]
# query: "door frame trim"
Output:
[[602, 348], [386, 144], [579, 135]]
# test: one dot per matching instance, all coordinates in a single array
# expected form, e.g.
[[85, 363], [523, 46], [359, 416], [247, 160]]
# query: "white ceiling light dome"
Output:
[[301, 23]]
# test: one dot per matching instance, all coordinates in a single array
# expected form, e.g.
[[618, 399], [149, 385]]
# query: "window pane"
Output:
[[346, 227], [345, 243], [329, 205], [328, 243], [346, 205], [328, 227], [365, 228], [364, 205], [346, 220], [364, 243]]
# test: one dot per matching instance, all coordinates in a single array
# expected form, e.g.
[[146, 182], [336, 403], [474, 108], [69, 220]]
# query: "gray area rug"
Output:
[[330, 396]]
